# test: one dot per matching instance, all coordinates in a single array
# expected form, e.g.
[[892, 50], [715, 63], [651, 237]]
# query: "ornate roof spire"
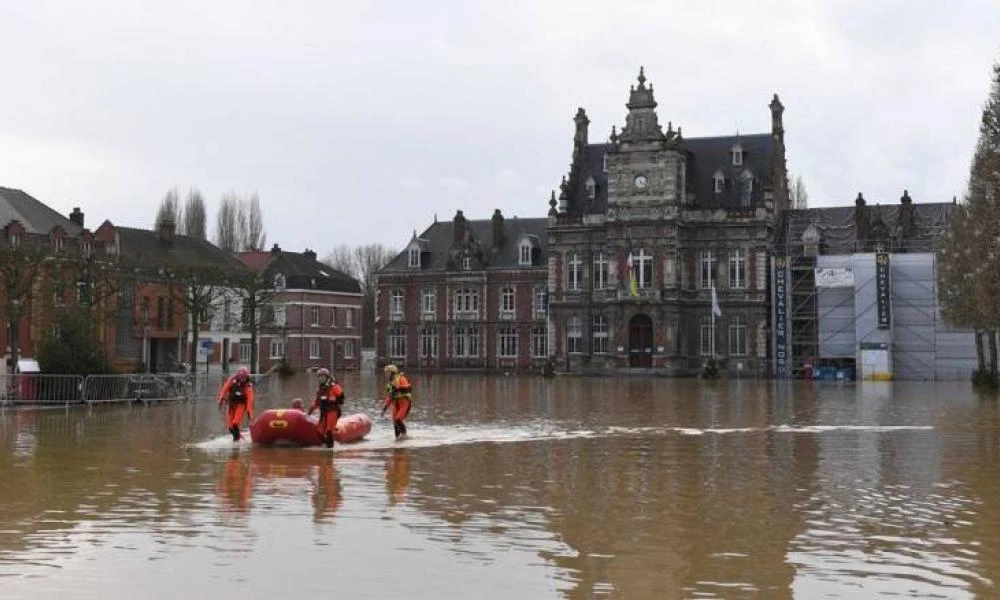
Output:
[[642, 77]]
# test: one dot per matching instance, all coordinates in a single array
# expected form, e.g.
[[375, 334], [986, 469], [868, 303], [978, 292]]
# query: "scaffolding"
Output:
[[827, 326]]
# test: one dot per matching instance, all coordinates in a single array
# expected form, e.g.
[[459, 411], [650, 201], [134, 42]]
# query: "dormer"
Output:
[[591, 187], [416, 252], [86, 243], [719, 183], [736, 152], [279, 281], [14, 231], [746, 188], [58, 237], [528, 250]]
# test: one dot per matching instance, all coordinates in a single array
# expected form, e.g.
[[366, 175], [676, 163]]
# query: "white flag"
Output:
[[715, 304]]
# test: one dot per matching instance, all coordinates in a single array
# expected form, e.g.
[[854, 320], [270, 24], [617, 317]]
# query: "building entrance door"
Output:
[[640, 341]]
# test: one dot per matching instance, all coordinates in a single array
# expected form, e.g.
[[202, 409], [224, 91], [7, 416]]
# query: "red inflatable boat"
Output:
[[291, 427]]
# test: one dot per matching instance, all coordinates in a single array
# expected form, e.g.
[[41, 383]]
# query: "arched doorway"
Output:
[[640, 341]]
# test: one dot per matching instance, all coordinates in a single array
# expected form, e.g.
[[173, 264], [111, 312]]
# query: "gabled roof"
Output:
[[440, 237], [301, 271], [142, 248], [32, 213]]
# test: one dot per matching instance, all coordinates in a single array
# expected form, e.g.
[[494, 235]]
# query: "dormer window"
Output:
[[720, 182], [591, 188], [747, 191], [87, 249], [414, 257], [525, 254], [279, 282], [58, 243], [15, 240], [737, 152], [466, 263]]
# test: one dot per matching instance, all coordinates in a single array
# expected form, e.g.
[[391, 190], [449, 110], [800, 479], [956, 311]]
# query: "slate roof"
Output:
[[440, 238], [837, 227], [142, 248], [705, 156], [35, 216], [301, 271]]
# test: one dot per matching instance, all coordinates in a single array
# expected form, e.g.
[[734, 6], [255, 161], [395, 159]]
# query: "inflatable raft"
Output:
[[291, 427]]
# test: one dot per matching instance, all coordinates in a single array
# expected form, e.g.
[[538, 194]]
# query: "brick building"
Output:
[[313, 318], [466, 295], [693, 214], [51, 265]]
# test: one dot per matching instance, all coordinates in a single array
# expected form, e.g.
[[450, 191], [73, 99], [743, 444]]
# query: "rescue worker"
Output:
[[399, 395], [237, 392], [329, 400]]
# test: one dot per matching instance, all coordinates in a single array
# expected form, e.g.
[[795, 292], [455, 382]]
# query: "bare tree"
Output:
[[257, 237], [363, 263], [343, 259], [196, 287], [169, 211], [20, 271], [194, 214], [240, 224], [257, 292], [798, 195], [227, 223]]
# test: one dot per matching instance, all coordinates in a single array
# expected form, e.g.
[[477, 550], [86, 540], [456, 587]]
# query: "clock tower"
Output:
[[646, 166]]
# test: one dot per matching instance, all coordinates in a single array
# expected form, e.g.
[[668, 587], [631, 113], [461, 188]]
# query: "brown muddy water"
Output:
[[518, 488]]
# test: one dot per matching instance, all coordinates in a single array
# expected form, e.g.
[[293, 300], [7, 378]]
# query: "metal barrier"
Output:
[[38, 389], [34, 388]]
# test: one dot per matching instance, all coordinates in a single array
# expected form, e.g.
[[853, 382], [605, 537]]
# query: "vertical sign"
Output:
[[781, 350], [882, 289]]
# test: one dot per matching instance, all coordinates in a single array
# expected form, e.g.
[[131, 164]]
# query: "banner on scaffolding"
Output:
[[882, 293], [834, 278], [782, 352]]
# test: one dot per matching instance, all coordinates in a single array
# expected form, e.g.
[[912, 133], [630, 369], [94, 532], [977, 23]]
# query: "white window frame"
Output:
[[246, 350], [600, 333], [414, 257], [466, 263], [746, 190], [466, 301], [737, 268], [737, 335], [507, 297], [465, 341], [333, 316], [279, 316], [315, 315], [574, 272], [591, 187], [428, 342], [644, 269], [706, 273], [574, 335], [507, 341], [315, 351], [396, 341], [707, 340], [539, 300], [539, 341], [349, 318], [348, 348], [720, 183], [602, 272], [737, 152], [396, 302], [428, 301], [277, 348], [525, 254]]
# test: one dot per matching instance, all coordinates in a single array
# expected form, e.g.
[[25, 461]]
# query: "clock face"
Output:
[[640, 182]]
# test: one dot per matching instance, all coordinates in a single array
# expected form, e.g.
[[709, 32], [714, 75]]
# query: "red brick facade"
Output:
[[321, 329]]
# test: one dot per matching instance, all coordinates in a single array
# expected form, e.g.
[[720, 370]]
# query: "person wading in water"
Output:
[[238, 393], [399, 395], [329, 400]]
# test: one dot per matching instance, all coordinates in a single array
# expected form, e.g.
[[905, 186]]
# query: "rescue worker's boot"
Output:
[[395, 428], [235, 430], [402, 429], [328, 440]]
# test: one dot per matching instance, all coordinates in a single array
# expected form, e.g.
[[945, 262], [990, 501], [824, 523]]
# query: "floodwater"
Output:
[[518, 487]]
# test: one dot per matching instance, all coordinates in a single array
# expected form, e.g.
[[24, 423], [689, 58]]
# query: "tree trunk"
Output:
[[14, 341], [993, 350], [253, 326], [193, 350], [980, 352]]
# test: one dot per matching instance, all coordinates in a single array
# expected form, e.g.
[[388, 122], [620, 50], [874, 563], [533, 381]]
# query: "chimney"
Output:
[[581, 120], [860, 223], [166, 231], [310, 254], [76, 217], [460, 226], [275, 250], [777, 127], [497, 229]]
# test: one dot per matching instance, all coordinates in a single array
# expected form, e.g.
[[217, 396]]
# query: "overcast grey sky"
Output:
[[359, 121]]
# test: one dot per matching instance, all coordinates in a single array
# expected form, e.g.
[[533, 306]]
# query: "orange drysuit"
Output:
[[399, 395], [239, 395], [329, 399]]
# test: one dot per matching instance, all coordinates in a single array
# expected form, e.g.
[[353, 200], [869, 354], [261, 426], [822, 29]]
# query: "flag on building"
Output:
[[716, 311], [633, 284]]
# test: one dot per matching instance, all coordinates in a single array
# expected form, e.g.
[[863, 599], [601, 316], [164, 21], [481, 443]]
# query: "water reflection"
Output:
[[571, 488]]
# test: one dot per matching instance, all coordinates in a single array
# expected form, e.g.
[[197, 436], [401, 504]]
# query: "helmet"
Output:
[[391, 369], [243, 373], [322, 372]]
